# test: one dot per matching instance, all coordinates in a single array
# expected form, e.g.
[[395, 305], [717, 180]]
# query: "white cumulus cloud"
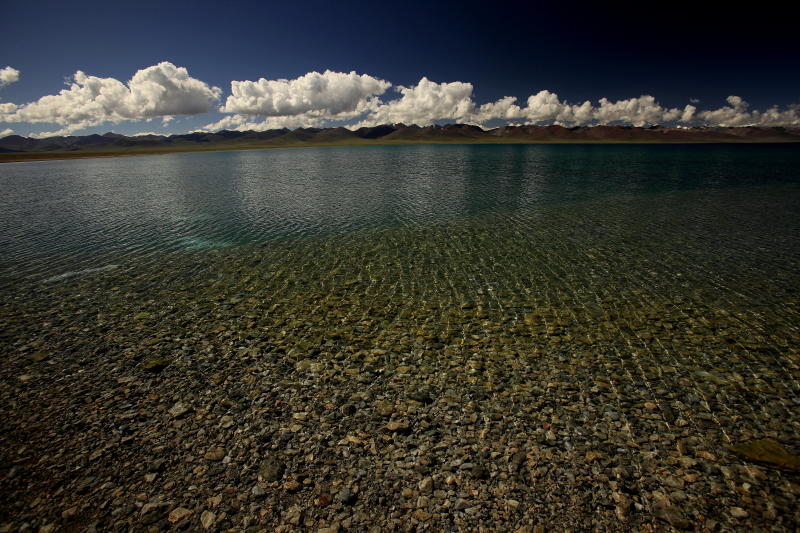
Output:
[[312, 100], [161, 90], [504, 108], [8, 75], [250, 123], [425, 103], [6, 132], [775, 117], [429, 101], [688, 114], [330, 93], [6, 109], [738, 113], [326, 99], [641, 111], [545, 106], [69, 129]]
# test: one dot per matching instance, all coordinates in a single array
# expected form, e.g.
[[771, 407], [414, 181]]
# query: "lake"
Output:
[[58, 217], [593, 307]]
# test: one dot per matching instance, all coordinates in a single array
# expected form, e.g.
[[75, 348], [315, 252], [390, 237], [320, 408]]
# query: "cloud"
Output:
[[6, 132], [425, 103], [249, 123], [775, 117], [738, 113], [330, 93], [641, 111], [688, 114], [735, 114], [159, 91], [8, 75], [326, 99], [69, 129], [429, 101], [312, 100], [504, 108], [545, 106]]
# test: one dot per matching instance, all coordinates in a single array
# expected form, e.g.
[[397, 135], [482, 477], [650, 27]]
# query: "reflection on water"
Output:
[[58, 216]]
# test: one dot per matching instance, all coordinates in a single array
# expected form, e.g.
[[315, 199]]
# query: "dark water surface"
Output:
[[61, 217]]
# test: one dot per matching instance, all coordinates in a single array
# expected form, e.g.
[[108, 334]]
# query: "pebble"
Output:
[[271, 469], [179, 514], [398, 427], [345, 496], [215, 453], [294, 515], [179, 409], [207, 519], [593, 456], [738, 512], [671, 514], [461, 504], [292, 485], [152, 512], [426, 485], [480, 472]]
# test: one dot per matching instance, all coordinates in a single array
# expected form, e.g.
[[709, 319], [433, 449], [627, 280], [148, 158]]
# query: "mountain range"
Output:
[[15, 147]]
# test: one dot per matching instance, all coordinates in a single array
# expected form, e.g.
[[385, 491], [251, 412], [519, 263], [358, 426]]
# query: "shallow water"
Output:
[[479, 236], [630, 298]]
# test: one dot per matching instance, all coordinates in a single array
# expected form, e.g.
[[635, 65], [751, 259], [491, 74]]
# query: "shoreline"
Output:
[[23, 157]]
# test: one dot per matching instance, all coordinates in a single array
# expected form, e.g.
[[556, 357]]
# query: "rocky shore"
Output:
[[437, 379]]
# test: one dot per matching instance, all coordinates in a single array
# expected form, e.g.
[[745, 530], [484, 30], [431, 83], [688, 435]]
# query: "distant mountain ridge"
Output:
[[111, 143]]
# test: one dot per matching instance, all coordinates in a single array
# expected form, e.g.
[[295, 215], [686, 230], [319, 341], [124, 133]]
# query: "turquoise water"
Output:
[[60, 217]]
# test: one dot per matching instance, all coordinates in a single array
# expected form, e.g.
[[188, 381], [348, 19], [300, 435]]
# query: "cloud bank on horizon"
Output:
[[352, 100]]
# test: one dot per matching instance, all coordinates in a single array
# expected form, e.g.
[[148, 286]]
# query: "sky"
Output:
[[176, 67]]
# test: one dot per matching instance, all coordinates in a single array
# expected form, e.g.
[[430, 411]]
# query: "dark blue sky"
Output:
[[673, 51]]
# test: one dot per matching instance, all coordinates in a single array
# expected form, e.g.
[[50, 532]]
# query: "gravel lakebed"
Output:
[[501, 375]]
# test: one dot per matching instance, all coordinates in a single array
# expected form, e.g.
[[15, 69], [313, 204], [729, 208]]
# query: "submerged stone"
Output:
[[769, 452], [271, 469], [156, 364], [179, 409]]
